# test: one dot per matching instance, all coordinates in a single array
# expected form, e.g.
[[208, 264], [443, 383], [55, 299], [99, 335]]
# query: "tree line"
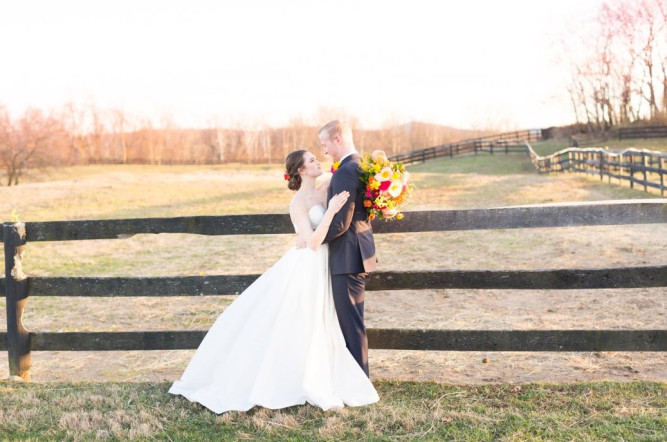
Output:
[[89, 135], [619, 65]]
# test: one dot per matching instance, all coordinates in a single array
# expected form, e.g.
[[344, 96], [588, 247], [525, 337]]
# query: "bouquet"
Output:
[[387, 186]]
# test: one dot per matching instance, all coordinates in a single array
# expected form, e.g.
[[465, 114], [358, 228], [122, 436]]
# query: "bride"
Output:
[[279, 343]]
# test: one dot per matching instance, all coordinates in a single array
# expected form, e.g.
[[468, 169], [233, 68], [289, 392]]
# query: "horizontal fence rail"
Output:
[[386, 339], [645, 211], [18, 286], [214, 285]]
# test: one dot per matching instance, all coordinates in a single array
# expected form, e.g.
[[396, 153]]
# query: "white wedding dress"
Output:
[[278, 344]]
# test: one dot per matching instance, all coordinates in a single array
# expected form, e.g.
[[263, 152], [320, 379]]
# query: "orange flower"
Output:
[[367, 203]]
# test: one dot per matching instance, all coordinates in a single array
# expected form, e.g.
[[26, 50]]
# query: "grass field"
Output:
[[406, 411], [526, 411]]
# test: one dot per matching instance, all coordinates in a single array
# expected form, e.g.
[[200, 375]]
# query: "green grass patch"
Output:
[[548, 147], [484, 180], [413, 411]]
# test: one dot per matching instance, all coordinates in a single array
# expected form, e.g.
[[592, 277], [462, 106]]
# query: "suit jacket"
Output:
[[350, 236]]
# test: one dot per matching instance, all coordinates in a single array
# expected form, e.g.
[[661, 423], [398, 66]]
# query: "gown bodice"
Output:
[[315, 214]]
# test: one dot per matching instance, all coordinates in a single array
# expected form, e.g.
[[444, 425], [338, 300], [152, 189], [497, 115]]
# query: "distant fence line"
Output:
[[644, 168], [505, 142], [18, 287], [625, 133]]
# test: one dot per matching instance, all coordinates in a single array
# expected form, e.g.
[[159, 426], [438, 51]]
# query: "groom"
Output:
[[350, 239]]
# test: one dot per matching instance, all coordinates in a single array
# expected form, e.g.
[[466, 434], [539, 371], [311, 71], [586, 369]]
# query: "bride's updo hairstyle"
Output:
[[293, 163]]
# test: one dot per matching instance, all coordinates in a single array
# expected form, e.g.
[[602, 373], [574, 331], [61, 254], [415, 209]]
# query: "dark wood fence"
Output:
[[19, 342], [643, 168], [639, 167], [506, 142], [642, 132]]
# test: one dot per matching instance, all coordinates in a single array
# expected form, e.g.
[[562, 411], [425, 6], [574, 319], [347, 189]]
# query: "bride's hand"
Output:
[[338, 201], [300, 242]]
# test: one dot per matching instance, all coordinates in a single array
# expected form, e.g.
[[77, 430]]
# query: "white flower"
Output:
[[396, 188], [384, 175]]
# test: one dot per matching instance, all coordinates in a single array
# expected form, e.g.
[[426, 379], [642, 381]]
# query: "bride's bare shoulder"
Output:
[[297, 204]]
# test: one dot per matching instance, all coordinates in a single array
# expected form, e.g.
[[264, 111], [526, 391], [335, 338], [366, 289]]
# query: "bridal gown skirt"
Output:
[[277, 345]]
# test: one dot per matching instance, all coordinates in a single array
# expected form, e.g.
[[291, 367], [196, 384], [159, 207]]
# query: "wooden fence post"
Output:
[[662, 176], [570, 161], [644, 170], [16, 287]]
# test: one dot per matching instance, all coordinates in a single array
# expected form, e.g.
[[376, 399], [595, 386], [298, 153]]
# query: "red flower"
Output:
[[286, 176]]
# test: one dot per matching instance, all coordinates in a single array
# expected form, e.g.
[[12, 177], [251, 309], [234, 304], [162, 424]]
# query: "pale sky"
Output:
[[464, 63]]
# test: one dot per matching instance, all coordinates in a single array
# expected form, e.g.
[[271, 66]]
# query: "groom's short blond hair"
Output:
[[337, 127]]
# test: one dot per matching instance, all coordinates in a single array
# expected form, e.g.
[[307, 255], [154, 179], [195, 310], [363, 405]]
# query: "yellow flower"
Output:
[[381, 201], [399, 216]]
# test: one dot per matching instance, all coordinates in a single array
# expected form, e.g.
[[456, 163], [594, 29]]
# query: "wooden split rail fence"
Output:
[[643, 168], [639, 167], [19, 287], [506, 142], [625, 133]]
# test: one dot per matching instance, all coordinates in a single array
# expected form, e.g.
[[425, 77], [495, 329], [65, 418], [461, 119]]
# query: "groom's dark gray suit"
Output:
[[351, 257]]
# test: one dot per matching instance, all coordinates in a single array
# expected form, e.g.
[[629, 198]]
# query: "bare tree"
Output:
[[623, 77], [73, 119], [121, 126], [26, 142]]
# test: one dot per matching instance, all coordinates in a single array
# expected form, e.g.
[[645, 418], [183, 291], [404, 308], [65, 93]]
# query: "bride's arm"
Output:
[[299, 215]]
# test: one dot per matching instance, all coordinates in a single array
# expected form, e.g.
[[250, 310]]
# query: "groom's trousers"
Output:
[[348, 293]]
